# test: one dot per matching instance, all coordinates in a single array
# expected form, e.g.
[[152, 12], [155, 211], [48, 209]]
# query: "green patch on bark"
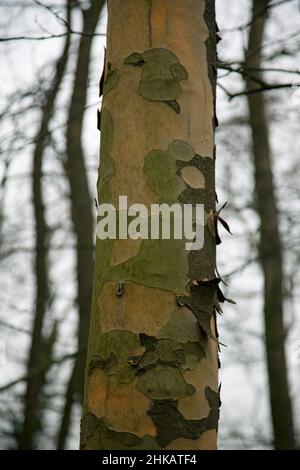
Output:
[[160, 263], [211, 49], [171, 424], [161, 177], [178, 71], [195, 350], [202, 263], [161, 75], [124, 372], [107, 164], [111, 80], [164, 383], [120, 343], [99, 363], [202, 302]]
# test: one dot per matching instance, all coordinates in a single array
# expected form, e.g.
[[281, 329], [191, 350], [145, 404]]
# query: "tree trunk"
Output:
[[38, 348], [152, 367], [270, 248], [81, 208]]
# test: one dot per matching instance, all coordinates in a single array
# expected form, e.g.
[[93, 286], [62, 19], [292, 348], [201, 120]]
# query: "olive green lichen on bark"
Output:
[[202, 301], [96, 434], [161, 75]]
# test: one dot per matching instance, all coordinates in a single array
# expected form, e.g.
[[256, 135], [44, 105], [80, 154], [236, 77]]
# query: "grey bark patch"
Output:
[[171, 424], [214, 401], [194, 349], [180, 328], [178, 71], [160, 89], [120, 343], [160, 77], [124, 372], [89, 424], [181, 150], [202, 302]]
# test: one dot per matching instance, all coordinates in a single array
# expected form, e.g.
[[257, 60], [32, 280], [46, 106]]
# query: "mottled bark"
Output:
[[39, 344], [270, 247], [81, 209], [152, 367]]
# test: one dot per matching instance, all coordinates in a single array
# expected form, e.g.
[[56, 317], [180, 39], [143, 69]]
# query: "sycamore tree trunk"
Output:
[[152, 366], [270, 249]]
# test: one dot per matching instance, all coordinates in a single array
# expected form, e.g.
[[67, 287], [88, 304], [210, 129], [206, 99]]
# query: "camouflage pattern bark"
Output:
[[152, 368]]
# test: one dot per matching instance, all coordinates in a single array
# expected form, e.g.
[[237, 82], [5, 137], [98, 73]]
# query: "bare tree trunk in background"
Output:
[[152, 375], [81, 208], [270, 248], [39, 344]]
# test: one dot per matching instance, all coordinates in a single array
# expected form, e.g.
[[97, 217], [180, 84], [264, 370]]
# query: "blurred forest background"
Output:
[[52, 56]]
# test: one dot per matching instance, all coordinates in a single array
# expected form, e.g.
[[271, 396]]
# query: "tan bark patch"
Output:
[[127, 409], [193, 177], [131, 312]]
